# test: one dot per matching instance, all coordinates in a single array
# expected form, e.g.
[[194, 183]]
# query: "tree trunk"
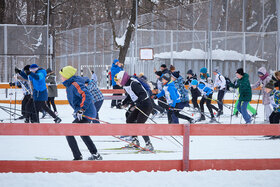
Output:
[[2, 11]]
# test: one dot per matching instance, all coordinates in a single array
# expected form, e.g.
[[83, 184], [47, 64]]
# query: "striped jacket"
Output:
[[94, 90], [275, 100]]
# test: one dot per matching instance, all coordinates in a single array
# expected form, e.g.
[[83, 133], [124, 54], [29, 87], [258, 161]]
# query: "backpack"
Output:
[[228, 82], [144, 84]]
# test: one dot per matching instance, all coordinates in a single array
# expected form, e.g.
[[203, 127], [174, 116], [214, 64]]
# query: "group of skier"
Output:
[[170, 89]]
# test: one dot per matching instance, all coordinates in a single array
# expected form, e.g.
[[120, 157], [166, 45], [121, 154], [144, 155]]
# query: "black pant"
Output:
[[87, 140], [207, 99], [39, 105], [221, 95], [23, 104], [274, 117], [177, 114], [51, 101], [136, 116], [156, 107], [115, 102], [30, 111], [195, 94]]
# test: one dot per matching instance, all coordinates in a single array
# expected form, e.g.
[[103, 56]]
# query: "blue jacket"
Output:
[[79, 96], [114, 70], [204, 89], [171, 94], [182, 89], [40, 92]]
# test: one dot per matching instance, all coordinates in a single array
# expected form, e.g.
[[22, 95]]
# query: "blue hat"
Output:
[[194, 82], [33, 66], [116, 60], [203, 70]]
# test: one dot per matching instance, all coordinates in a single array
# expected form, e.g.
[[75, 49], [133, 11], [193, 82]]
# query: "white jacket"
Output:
[[220, 81]]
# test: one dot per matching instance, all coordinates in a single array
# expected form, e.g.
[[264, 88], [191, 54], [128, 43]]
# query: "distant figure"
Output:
[[93, 76], [52, 89]]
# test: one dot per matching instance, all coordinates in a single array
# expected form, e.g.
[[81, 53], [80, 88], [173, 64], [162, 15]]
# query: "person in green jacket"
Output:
[[245, 93], [251, 109]]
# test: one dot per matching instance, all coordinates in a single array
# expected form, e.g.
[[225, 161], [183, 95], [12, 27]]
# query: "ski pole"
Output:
[[156, 123], [257, 105], [232, 108], [227, 106]]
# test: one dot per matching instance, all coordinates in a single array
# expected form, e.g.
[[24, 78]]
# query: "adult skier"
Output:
[[274, 117], [81, 100], [115, 69], [220, 84]]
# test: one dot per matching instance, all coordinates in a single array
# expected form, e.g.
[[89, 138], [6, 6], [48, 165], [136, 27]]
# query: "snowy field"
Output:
[[201, 147]]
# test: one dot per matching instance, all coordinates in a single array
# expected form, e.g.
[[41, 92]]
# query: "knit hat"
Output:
[[123, 76], [175, 74], [26, 67], [190, 72], [116, 60], [167, 77], [159, 73], [172, 68], [141, 74], [68, 72], [277, 73], [163, 66], [194, 82], [270, 85], [240, 71], [203, 70], [33, 66], [49, 70], [216, 70]]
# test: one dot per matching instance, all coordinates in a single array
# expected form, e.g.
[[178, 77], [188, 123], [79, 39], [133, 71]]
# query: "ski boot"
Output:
[[134, 144], [149, 146], [212, 120], [220, 112], [79, 158], [57, 120], [44, 114], [202, 117], [96, 156]]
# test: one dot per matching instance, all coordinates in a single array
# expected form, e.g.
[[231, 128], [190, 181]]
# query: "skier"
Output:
[[52, 89], [116, 68], [245, 93], [173, 99], [220, 83], [274, 117], [206, 90], [98, 97], [164, 69], [158, 88], [37, 77], [195, 93], [264, 78], [141, 105], [276, 79], [184, 94], [81, 100]]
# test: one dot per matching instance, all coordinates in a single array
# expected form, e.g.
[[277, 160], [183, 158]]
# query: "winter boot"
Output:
[[220, 112], [26, 120], [202, 117], [212, 120], [134, 144], [57, 120], [79, 158], [96, 156], [149, 146], [21, 117]]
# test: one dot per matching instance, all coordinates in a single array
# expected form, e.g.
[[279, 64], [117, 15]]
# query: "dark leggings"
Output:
[[51, 101], [207, 99], [136, 116], [42, 105], [87, 140], [274, 117], [221, 95], [177, 114]]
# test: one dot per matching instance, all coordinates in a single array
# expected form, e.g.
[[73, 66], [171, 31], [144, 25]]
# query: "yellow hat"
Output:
[[68, 72]]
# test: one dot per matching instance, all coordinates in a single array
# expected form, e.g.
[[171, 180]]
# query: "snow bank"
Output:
[[208, 178], [217, 54]]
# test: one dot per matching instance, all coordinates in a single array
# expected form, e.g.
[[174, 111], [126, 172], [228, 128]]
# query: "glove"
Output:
[[12, 84], [28, 72], [171, 108], [154, 97], [17, 70], [79, 114]]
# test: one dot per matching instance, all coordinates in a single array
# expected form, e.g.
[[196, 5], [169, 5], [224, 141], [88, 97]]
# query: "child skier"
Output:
[[173, 99], [275, 102], [81, 100], [141, 105]]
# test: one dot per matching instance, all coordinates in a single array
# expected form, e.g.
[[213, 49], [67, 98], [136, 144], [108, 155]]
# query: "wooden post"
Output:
[[186, 147]]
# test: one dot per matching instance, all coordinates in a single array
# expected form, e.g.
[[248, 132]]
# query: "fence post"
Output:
[[186, 147]]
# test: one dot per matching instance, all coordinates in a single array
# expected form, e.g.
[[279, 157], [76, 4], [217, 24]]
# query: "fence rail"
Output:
[[139, 129]]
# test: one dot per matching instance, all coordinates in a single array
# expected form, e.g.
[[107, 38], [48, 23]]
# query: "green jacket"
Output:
[[245, 91]]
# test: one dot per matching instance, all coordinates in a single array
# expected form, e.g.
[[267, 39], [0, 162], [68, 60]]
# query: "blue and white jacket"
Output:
[[171, 94], [40, 92], [204, 89], [79, 96], [275, 100], [179, 84]]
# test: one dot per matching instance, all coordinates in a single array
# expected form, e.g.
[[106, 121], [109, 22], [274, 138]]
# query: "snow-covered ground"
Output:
[[201, 147]]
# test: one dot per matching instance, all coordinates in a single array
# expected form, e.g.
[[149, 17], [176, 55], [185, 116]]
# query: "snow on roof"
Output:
[[217, 54]]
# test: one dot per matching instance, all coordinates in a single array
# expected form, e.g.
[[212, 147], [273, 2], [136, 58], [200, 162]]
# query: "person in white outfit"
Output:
[[264, 78], [220, 84], [93, 76]]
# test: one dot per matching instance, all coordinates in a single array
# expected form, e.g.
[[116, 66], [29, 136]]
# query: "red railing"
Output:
[[139, 129]]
